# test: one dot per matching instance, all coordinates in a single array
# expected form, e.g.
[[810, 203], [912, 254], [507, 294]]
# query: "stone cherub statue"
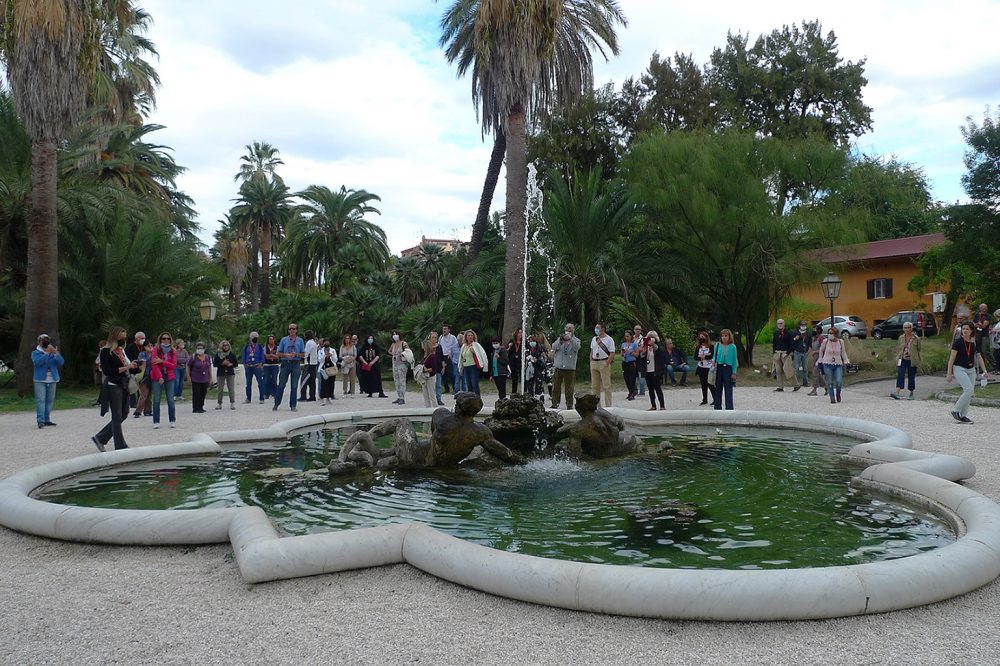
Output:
[[598, 433], [453, 437]]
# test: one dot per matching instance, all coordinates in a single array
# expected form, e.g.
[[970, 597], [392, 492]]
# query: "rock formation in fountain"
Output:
[[453, 438], [598, 433], [521, 423]]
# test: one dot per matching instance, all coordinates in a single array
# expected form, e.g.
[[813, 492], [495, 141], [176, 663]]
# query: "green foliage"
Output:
[[792, 310], [982, 159], [672, 324]]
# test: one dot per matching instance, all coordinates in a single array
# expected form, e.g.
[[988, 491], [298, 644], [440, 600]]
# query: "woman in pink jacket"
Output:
[[163, 374], [833, 357]]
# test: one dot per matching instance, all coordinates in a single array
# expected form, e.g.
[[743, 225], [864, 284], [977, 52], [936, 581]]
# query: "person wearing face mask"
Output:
[[163, 374], [907, 361], [566, 350], [370, 368], [226, 362], [348, 369], [535, 372], [133, 350], [653, 361], [499, 368], [115, 368], [181, 371], [253, 367], [46, 360], [310, 369], [801, 343], [640, 375], [272, 364], [833, 356], [434, 365], [291, 351], [602, 357], [144, 403], [705, 352], [328, 377], [399, 366], [818, 379], [200, 372], [781, 350]]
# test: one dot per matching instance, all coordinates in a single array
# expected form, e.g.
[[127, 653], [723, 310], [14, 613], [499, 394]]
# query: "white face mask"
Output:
[[496, 345], [802, 329], [200, 351], [395, 338]]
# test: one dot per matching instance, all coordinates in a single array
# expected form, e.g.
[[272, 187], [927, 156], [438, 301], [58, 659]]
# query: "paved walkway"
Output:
[[66, 603]]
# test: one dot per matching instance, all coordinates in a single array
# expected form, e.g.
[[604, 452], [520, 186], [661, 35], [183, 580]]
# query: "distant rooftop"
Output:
[[450, 245], [912, 246]]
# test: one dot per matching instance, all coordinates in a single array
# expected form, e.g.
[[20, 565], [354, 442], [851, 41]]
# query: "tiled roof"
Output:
[[912, 246]]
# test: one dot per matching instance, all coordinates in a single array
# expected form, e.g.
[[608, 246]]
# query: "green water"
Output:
[[766, 500]]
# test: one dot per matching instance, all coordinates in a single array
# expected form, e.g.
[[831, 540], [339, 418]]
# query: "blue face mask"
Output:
[[597, 331], [165, 346]]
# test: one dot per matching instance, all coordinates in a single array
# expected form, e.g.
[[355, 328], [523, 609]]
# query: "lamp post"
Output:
[[207, 311], [831, 289]]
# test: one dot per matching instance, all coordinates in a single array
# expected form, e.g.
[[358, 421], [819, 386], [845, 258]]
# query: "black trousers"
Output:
[[308, 382], [501, 383], [198, 392], [117, 396], [654, 383], [630, 371], [448, 377], [705, 386]]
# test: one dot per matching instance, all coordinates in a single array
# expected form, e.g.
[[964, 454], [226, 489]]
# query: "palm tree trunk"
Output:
[[265, 265], [514, 223], [486, 198], [41, 303]]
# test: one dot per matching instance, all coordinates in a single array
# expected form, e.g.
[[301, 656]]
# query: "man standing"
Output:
[[47, 360], [801, 343], [602, 356], [781, 347], [291, 351], [981, 324], [253, 366], [450, 349], [311, 352], [565, 349], [676, 362], [132, 351], [637, 336]]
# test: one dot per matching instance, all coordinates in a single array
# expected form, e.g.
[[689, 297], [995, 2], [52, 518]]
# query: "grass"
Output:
[[67, 397], [991, 391]]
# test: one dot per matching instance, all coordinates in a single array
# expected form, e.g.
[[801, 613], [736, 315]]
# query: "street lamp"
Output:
[[831, 289], [207, 310]]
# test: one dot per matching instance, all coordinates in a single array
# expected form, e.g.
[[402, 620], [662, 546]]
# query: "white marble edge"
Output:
[[263, 555]]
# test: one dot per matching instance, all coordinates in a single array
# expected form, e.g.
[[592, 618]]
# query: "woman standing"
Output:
[[163, 375], [471, 362], [630, 354], [46, 360], [348, 373], [818, 381], [226, 362], [370, 370], [653, 361], [115, 367], [180, 372], [433, 362], [833, 356], [327, 377], [200, 371], [515, 351], [907, 361], [726, 364], [499, 368], [705, 352], [272, 364], [399, 367], [535, 368], [962, 362]]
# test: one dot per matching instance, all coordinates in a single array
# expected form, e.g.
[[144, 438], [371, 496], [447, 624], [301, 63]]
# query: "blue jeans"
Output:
[[642, 384], [180, 373], [801, 360], [45, 395], [834, 380], [250, 373], [437, 387], [723, 385], [470, 379], [683, 369], [166, 387], [909, 371], [456, 385], [270, 380], [288, 371]]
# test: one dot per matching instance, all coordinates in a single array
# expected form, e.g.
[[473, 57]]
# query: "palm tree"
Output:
[[259, 163], [262, 210], [125, 82], [525, 56], [408, 276], [233, 250], [432, 264]]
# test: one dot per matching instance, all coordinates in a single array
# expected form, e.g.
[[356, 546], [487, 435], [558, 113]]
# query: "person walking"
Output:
[[116, 368], [602, 357], [327, 372], [801, 343], [310, 369], [225, 362], [653, 361], [143, 404], [704, 352], [291, 351], [907, 361], [272, 364], [833, 356], [515, 359], [399, 366], [253, 367], [200, 372], [981, 321], [962, 363], [348, 367], [499, 368], [370, 368], [433, 366], [472, 362], [180, 372], [726, 365], [630, 354], [47, 360], [565, 351], [817, 378], [163, 374], [640, 375], [781, 349], [133, 351], [452, 348]]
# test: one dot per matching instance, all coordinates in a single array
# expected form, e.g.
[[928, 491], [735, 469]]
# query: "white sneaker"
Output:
[[156, 426], [172, 424]]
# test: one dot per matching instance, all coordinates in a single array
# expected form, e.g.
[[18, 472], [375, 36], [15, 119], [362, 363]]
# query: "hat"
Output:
[[43, 336], [254, 334]]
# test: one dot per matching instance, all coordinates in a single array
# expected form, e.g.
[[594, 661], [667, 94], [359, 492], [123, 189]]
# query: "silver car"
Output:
[[847, 326]]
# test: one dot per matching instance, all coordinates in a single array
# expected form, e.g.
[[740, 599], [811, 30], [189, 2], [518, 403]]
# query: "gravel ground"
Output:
[[67, 603]]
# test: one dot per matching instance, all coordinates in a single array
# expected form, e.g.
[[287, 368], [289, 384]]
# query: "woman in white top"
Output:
[[471, 361], [399, 366]]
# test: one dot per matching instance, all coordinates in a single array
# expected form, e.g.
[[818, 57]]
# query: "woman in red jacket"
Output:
[[163, 374]]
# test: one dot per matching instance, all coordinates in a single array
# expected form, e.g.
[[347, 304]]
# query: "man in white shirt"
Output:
[[309, 373], [602, 356]]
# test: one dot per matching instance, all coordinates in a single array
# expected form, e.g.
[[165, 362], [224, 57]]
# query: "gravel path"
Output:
[[66, 603]]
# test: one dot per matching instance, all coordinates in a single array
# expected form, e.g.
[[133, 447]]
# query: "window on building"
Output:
[[879, 288]]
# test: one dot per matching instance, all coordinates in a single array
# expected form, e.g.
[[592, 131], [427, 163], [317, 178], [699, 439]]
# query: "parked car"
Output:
[[893, 326], [847, 326]]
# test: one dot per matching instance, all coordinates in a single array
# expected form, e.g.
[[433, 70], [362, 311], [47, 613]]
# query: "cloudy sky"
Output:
[[357, 93]]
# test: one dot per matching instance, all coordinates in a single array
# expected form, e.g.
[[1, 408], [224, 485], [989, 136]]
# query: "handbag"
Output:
[[330, 371], [711, 375], [133, 386]]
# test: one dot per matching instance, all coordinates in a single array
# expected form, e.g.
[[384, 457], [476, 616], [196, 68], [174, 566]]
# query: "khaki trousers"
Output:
[[600, 379], [563, 380]]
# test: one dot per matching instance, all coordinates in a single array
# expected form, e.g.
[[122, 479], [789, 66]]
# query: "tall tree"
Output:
[[262, 210], [525, 56], [259, 162], [233, 251], [982, 159], [125, 81]]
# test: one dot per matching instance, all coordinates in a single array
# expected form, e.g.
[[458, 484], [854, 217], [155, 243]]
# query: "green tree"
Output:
[[124, 83], [260, 162], [982, 159], [233, 252], [262, 210]]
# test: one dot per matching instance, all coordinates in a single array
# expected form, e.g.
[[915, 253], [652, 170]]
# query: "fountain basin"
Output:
[[922, 478]]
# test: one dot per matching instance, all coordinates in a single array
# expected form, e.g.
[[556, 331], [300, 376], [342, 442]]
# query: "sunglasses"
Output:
[[293, 328], [164, 339]]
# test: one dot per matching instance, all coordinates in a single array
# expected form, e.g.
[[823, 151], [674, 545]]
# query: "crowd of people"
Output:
[[137, 376]]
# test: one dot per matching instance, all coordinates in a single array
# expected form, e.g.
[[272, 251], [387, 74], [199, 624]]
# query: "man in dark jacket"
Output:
[[676, 362], [781, 349], [801, 342]]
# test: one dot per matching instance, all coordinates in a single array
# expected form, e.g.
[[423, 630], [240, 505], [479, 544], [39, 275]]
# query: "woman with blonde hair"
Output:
[[116, 368], [471, 361], [163, 374], [348, 370]]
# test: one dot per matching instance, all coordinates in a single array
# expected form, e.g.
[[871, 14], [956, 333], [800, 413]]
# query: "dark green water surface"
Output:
[[750, 499]]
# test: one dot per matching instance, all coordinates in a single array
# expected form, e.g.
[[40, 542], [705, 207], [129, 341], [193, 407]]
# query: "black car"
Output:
[[923, 324]]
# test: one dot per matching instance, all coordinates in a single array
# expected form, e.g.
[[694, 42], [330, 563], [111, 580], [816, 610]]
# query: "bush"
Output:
[[672, 324]]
